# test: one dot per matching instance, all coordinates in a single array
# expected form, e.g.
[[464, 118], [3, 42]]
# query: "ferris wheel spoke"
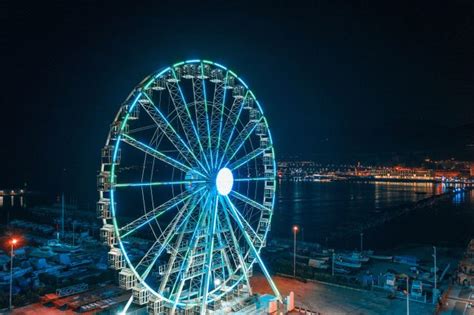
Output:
[[157, 248], [220, 94], [186, 259], [240, 218], [253, 179], [237, 249], [165, 126], [159, 155], [224, 257], [239, 141], [254, 250], [182, 182], [165, 238], [251, 202], [210, 252], [200, 98], [184, 115], [247, 158], [234, 117], [174, 255], [156, 212]]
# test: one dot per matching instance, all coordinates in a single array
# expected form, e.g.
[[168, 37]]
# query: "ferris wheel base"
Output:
[[241, 302]]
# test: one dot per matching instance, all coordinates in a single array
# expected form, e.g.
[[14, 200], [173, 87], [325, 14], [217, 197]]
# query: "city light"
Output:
[[295, 228], [14, 241]]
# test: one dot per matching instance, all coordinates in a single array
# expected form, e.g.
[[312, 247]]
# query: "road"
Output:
[[459, 302], [331, 299]]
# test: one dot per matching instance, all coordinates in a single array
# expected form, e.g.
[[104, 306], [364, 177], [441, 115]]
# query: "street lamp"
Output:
[[408, 297], [12, 243], [295, 230]]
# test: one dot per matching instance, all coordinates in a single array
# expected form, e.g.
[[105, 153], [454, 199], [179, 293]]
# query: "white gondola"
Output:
[[156, 306], [238, 92], [254, 115], [107, 155], [140, 294], [174, 78], [249, 103], [115, 259], [159, 85], [127, 279], [104, 181], [204, 71], [107, 235], [217, 76], [133, 113], [229, 82], [189, 71], [115, 129], [261, 130], [103, 209]]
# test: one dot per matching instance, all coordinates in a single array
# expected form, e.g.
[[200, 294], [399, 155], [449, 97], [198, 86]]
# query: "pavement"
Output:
[[334, 299], [460, 301]]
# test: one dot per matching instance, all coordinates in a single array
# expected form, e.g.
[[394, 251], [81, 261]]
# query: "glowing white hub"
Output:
[[224, 181]]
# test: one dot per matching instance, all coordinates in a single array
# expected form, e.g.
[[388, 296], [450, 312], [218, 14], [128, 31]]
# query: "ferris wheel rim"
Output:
[[149, 80]]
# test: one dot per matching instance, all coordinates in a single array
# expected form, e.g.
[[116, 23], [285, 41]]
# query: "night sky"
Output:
[[338, 81]]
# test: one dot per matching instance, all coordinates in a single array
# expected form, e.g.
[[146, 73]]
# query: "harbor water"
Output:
[[334, 213]]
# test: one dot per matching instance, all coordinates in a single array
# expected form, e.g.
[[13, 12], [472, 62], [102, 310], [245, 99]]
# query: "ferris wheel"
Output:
[[187, 188]]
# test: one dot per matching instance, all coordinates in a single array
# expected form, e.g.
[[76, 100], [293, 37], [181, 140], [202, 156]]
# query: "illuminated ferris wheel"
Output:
[[187, 189]]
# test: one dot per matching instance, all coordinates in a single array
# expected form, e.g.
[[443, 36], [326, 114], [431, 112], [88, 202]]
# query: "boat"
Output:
[[381, 257], [347, 264], [341, 270], [323, 253], [354, 257], [318, 264], [42, 252], [406, 260]]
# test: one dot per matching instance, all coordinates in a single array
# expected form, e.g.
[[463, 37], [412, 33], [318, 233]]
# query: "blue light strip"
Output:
[[222, 116], [209, 137], [175, 133], [182, 182], [212, 232], [245, 159], [161, 212], [251, 179], [234, 124], [236, 244], [251, 202], [185, 264], [254, 251], [169, 237], [159, 155], [190, 119], [243, 141]]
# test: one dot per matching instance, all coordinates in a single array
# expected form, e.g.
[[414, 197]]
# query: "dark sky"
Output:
[[336, 79]]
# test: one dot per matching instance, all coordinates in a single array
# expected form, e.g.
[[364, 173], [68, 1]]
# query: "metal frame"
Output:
[[199, 117]]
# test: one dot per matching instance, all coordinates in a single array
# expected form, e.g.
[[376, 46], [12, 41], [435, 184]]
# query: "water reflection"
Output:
[[319, 208]]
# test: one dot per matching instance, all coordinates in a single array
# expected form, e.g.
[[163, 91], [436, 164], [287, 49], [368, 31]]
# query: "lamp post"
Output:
[[435, 290], [12, 243], [295, 230], [408, 298]]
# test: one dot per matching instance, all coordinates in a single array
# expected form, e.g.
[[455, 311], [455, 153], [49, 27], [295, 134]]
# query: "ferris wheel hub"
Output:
[[224, 181]]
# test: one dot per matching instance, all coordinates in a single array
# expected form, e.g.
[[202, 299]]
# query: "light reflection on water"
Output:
[[319, 208]]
